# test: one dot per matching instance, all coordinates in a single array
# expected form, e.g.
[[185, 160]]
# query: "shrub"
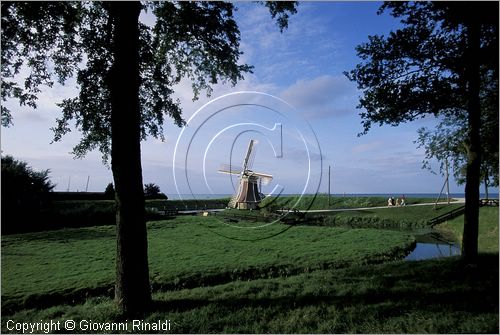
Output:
[[25, 193], [109, 192], [152, 191]]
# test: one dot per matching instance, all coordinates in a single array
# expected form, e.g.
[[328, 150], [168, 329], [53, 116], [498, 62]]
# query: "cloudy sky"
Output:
[[300, 72]]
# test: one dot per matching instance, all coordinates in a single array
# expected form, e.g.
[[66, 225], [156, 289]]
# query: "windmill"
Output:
[[248, 195]]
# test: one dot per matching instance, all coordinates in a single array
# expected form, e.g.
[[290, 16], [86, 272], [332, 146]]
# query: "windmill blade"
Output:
[[228, 172], [251, 159], [230, 169], [265, 180], [248, 154], [264, 177]]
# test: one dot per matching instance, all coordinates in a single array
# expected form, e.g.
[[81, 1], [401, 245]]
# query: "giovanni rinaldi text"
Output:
[[86, 325]]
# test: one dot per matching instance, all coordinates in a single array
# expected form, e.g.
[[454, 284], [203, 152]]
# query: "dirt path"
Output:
[[454, 201]]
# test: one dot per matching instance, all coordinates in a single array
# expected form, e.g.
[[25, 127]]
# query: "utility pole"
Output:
[[328, 185], [447, 183], [87, 187], [69, 183]]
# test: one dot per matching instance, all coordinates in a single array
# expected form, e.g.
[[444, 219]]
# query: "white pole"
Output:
[[447, 183], [328, 185]]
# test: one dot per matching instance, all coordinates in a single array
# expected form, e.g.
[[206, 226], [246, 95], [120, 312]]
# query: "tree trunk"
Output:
[[132, 290], [486, 183], [473, 175]]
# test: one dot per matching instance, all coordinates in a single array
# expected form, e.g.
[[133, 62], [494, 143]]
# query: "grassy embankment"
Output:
[[87, 213], [321, 201], [488, 229], [437, 296], [401, 217]]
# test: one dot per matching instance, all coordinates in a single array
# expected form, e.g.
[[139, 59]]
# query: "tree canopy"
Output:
[[198, 41], [419, 69], [447, 143], [18, 175], [109, 191], [152, 191], [443, 61]]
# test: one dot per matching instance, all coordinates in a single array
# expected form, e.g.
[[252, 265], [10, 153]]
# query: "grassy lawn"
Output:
[[306, 279], [187, 251], [488, 228], [435, 296]]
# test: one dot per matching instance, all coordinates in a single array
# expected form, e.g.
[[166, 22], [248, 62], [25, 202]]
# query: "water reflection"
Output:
[[433, 250]]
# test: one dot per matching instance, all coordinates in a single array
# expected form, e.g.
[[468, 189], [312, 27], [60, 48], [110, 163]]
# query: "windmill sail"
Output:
[[251, 158], [248, 155], [263, 177], [230, 169]]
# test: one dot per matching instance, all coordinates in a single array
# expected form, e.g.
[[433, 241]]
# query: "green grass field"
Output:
[[488, 229], [182, 251], [438, 296], [305, 279]]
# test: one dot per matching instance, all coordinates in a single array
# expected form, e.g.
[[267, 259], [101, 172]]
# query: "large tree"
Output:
[[440, 63], [125, 71], [447, 143]]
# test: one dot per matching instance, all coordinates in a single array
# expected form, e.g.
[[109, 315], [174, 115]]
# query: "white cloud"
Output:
[[295, 155], [367, 147], [321, 97], [46, 110], [300, 50]]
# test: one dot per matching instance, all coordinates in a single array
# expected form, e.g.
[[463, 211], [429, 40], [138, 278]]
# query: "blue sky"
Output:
[[302, 66]]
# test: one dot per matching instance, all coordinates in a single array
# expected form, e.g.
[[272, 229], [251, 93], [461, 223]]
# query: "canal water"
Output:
[[433, 244], [433, 250]]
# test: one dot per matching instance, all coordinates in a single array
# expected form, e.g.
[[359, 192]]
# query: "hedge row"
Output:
[[364, 222], [85, 213], [79, 196]]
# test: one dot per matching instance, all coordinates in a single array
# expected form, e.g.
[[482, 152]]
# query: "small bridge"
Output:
[[175, 212], [459, 211], [447, 216]]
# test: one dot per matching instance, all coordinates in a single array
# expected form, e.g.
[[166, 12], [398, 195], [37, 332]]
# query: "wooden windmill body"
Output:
[[248, 195]]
